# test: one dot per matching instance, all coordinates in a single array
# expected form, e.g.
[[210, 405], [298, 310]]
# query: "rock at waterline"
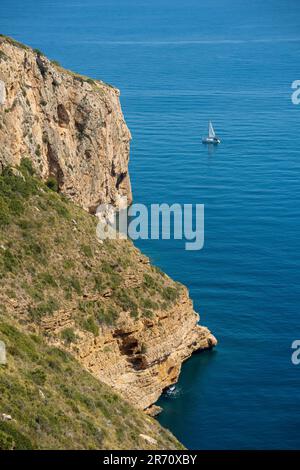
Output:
[[3, 360], [153, 410]]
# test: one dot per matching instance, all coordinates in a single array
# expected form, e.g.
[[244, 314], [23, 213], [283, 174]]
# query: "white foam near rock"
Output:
[[2, 92], [2, 353]]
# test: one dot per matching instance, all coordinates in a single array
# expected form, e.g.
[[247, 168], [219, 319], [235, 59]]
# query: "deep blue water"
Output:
[[178, 64]]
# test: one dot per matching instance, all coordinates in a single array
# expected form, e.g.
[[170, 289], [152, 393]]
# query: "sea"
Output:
[[178, 65]]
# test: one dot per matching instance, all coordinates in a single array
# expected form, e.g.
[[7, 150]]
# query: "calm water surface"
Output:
[[179, 64]]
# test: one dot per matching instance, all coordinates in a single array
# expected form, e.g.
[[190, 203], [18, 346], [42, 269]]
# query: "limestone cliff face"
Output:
[[139, 358], [71, 127]]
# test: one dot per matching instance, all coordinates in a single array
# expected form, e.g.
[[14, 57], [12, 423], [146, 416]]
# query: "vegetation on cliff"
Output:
[[124, 320], [64, 293], [51, 261], [55, 404]]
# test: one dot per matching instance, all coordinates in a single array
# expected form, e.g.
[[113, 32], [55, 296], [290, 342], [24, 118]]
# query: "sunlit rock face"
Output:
[[71, 127]]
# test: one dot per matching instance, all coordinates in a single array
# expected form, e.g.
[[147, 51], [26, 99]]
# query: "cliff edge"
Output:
[[70, 126]]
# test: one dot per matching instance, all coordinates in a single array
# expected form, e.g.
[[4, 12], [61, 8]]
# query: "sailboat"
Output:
[[212, 138]]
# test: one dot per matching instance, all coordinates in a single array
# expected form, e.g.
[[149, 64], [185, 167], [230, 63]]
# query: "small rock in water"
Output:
[[3, 360], [153, 410]]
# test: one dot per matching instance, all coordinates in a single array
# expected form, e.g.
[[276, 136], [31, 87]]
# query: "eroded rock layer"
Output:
[[140, 358], [71, 127]]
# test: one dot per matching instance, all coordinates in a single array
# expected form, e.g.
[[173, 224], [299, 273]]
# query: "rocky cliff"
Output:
[[49, 401], [71, 127], [125, 321], [141, 357]]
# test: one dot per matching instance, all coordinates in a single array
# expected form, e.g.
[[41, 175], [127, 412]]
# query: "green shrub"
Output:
[[16, 207], [68, 263], [147, 313], [170, 294], [21, 344], [59, 355], [56, 202], [107, 316], [36, 339], [10, 261], [63, 211], [12, 191], [87, 251], [149, 304], [4, 212], [21, 442], [90, 325], [25, 224], [26, 166], [38, 52], [149, 282], [124, 300], [52, 184], [99, 283], [109, 278], [34, 249], [6, 441], [115, 280], [38, 376], [16, 187], [75, 284], [46, 279], [107, 268], [42, 309], [68, 335]]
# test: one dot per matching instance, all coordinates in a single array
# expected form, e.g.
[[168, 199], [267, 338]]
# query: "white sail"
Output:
[[211, 132]]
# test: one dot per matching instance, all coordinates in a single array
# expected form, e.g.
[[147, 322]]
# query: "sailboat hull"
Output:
[[210, 140]]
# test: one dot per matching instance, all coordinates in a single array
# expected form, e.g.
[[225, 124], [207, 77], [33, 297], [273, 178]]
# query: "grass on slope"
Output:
[[55, 404], [51, 260]]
